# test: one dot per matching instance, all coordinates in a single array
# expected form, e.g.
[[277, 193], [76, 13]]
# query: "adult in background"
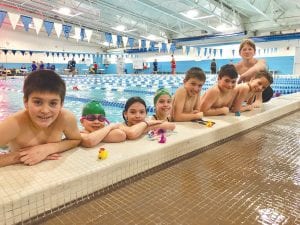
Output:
[[95, 67], [155, 65], [33, 66], [213, 67], [249, 66], [173, 65], [73, 67]]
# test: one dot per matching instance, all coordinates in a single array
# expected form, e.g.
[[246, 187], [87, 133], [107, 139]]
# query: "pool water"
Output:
[[112, 91]]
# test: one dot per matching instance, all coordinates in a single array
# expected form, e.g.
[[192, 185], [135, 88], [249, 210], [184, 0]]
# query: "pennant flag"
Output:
[[47, 54], [205, 51], [48, 26], [233, 51], [22, 52], [63, 54], [163, 47], [82, 34], [183, 49], [67, 29], [108, 37], [53, 53], [131, 42], [209, 51], [88, 34], [38, 23], [258, 51], [119, 40], [198, 51], [221, 52], [5, 51], [68, 54], [77, 33], [125, 41], [2, 16], [147, 44], [57, 54], [26, 20], [143, 43], [14, 51], [152, 45], [159, 45], [264, 51], [58, 29], [187, 50], [215, 52], [14, 19], [30, 53], [173, 47], [114, 39]]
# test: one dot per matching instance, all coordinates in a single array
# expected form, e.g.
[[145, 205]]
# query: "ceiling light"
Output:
[[120, 28], [192, 13], [64, 11]]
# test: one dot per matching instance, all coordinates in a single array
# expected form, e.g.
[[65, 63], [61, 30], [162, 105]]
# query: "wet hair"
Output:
[[247, 42], [44, 81], [266, 74], [130, 102], [195, 72], [228, 70]]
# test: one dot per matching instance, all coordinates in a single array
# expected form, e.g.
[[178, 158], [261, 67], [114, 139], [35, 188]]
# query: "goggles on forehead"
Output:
[[92, 117]]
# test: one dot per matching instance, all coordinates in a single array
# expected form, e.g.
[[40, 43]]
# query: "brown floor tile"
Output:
[[251, 179]]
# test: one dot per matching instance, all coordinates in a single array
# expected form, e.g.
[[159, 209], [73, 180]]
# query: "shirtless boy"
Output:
[[218, 99], [35, 133], [186, 100]]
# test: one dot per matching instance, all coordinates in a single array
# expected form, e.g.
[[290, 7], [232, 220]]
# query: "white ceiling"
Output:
[[165, 19]]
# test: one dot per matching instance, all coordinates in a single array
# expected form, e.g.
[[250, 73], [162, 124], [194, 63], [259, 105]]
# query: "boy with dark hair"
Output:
[[35, 133], [186, 100], [249, 95], [218, 99]]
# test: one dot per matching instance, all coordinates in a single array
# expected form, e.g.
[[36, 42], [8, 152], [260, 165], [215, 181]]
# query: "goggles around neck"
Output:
[[93, 117]]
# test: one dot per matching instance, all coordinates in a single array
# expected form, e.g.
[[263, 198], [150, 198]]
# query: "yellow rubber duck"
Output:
[[209, 123], [102, 153]]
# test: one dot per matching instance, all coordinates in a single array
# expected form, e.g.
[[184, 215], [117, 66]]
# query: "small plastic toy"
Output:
[[238, 113], [207, 123], [102, 153], [163, 138]]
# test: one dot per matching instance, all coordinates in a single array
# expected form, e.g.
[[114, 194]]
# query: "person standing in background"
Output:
[[173, 65], [95, 67], [213, 67], [33, 66], [155, 65]]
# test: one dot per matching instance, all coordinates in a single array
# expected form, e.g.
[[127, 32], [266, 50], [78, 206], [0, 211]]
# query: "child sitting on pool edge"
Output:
[[93, 120], [136, 124]]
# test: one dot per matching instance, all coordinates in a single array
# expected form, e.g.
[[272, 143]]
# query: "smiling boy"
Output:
[[218, 99], [35, 133], [186, 100]]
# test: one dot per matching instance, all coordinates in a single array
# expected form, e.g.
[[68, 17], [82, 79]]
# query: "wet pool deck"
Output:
[[32, 192]]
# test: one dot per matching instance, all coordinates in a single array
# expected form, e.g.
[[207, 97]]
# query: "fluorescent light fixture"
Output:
[[119, 28], [66, 12], [193, 13]]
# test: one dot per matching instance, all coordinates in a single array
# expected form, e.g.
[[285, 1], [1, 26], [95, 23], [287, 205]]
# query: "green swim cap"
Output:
[[160, 92], [93, 107]]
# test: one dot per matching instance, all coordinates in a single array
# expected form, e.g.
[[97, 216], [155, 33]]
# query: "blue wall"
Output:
[[282, 65]]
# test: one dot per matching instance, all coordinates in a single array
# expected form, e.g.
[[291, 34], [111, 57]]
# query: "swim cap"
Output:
[[93, 107], [160, 92]]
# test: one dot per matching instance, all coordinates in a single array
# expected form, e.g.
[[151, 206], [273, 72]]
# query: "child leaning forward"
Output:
[[136, 125], [95, 129]]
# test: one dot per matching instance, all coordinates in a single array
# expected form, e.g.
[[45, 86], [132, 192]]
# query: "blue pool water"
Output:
[[113, 91]]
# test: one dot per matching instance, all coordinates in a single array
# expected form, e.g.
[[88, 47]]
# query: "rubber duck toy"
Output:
[[209, 123], [102, 153], [163, 138]]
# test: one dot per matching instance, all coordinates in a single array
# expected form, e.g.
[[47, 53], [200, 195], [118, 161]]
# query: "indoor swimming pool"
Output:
[[113, 91]]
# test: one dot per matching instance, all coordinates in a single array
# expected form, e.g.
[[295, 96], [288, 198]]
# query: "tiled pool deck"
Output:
[[26, 192]]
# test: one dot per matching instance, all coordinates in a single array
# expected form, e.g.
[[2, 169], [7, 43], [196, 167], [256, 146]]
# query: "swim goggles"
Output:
[[93, 117]]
